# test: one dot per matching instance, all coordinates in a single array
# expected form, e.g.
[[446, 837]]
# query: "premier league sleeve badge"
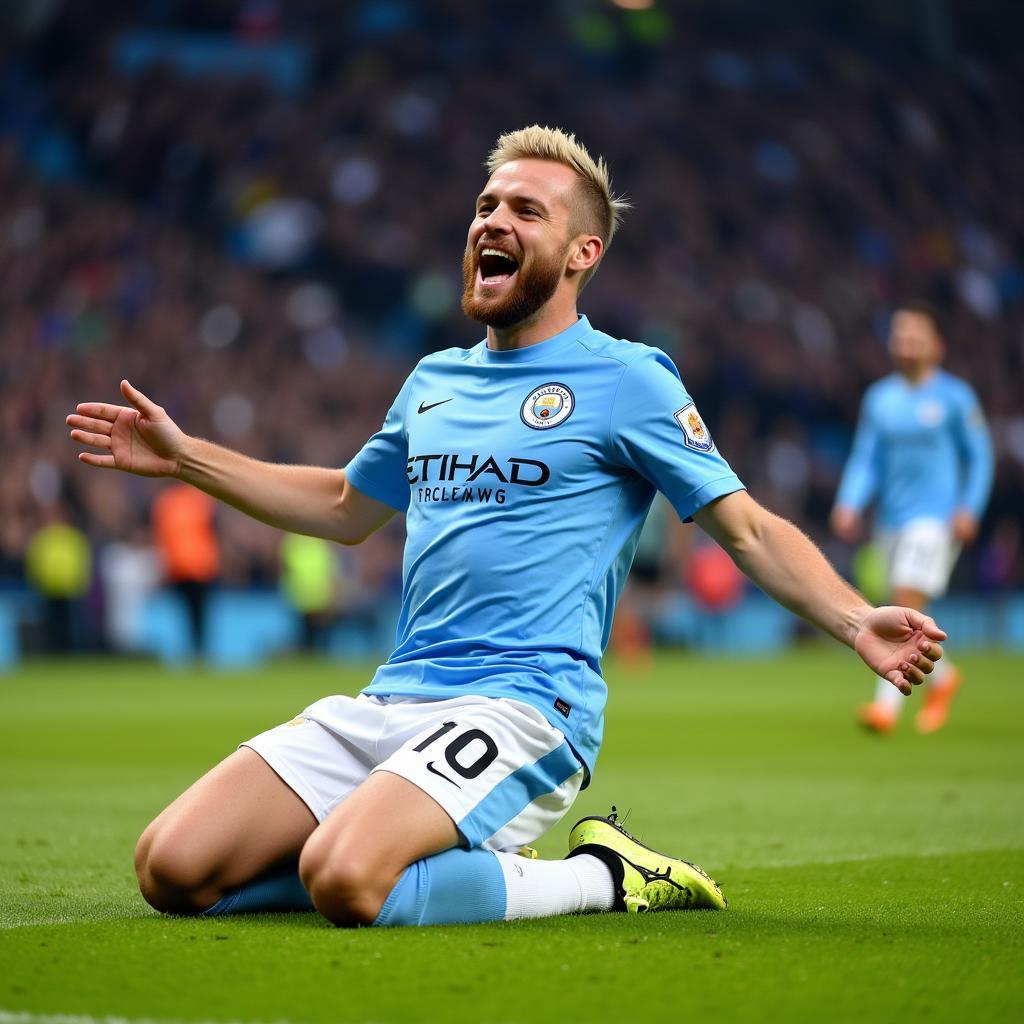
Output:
[[695, 434]]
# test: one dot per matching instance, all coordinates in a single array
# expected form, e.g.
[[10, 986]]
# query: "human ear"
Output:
[[586, 251]]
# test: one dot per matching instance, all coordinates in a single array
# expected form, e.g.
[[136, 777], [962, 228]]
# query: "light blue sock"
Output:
[[278, 890], [454, 887]]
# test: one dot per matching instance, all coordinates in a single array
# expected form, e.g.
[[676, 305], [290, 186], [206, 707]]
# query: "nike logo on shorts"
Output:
[[424, 407], [432, 769]]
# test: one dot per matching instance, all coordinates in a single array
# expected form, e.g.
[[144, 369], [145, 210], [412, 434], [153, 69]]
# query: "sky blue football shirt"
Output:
[[921, 450], [526, 477]]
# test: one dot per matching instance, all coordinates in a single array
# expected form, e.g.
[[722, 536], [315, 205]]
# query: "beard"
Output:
[[534, 284]]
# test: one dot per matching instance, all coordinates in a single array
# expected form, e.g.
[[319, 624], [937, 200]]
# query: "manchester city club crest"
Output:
[[547, 406], [695, 434]]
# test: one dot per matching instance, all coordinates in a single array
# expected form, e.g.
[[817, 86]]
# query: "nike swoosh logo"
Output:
[[433, 405], [431, 768]]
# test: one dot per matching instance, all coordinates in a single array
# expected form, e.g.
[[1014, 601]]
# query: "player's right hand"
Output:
[[139, 439]]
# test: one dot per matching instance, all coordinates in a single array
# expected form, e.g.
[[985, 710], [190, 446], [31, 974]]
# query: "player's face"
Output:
[[914, 344], [518, 244]]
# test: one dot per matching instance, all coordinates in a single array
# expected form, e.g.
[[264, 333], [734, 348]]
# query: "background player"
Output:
[[922, 453], [525, 465]]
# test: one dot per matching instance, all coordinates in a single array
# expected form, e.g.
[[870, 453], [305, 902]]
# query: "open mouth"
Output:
[[496, 267]]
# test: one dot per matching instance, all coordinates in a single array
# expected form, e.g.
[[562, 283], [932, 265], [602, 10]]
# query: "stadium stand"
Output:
[[255, 211]]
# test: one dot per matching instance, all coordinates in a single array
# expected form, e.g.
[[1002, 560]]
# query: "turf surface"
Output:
[[868, 878]]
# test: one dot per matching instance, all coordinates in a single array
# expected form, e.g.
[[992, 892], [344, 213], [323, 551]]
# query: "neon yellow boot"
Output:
[[645, 880]]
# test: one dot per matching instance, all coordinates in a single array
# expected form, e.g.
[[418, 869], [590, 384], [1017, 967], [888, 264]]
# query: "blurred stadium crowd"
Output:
[[255, 210]]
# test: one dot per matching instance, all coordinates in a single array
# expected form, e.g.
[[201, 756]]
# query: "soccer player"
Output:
[[922, 453], [525, 466]]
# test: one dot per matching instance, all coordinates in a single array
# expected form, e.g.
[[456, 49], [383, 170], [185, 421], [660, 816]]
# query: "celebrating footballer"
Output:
[[525, 466]]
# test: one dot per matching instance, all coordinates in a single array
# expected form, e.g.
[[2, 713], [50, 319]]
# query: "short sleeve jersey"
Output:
[[920, 451], [526, 476]]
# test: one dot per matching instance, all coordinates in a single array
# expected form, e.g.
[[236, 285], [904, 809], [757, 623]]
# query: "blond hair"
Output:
[[597, 210]]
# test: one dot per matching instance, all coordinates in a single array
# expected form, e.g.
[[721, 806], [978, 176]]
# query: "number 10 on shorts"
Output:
[[456, 746]]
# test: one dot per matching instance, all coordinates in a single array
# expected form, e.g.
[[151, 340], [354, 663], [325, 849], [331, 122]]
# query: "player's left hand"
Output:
[[899, 644], [965, 527]]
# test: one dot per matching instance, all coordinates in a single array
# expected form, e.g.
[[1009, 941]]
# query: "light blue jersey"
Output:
[[920, 451], [526, 476]]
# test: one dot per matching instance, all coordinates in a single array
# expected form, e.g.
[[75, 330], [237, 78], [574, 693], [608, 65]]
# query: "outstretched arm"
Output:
[[141, 438], [860, 477], [899, 644]]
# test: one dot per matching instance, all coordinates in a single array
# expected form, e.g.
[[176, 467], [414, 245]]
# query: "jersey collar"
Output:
[[541, 350]]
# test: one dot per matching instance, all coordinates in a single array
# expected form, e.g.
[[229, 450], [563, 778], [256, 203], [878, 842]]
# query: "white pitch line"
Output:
[[9, 926], [42, 922], [7, 1017]]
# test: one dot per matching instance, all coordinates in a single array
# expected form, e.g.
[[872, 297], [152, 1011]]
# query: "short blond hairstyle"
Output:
[[598, 210]]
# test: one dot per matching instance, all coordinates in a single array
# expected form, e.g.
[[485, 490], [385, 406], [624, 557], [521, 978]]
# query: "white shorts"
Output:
[[920, 555], [502, 772]]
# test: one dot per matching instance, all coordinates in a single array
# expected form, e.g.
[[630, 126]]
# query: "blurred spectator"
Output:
[[309, 579], [713, 579], [58, 564], [130, 572], [185, 538]]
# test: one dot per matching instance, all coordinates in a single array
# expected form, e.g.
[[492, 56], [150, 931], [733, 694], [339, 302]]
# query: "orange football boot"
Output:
[[877, 717], [937, 700]]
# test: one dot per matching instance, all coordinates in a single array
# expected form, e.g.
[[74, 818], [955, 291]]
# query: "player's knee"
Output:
[[347, 889], [142, 848], [169, 877]]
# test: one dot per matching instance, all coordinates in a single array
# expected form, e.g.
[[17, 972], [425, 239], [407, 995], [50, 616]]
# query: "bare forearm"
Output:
[[788, 567], [300, 499], [141, 438], [784, 564], [900, 644]]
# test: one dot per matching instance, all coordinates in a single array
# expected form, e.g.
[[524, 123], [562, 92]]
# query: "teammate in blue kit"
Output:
[[922, 454], [525, 466]]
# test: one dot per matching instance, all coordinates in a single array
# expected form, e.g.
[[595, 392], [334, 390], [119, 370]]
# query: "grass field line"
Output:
[[7, 1017], [45, 922]]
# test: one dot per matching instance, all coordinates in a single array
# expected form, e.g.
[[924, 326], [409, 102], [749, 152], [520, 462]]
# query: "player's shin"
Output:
[[454, 887], [472, 886]]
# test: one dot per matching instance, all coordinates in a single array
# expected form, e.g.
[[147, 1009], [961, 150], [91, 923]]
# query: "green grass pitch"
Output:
[[869, 879]]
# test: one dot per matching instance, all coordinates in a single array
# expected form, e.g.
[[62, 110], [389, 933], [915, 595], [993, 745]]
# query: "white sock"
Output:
[[943, 670], [888, 696], [545, 888]]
